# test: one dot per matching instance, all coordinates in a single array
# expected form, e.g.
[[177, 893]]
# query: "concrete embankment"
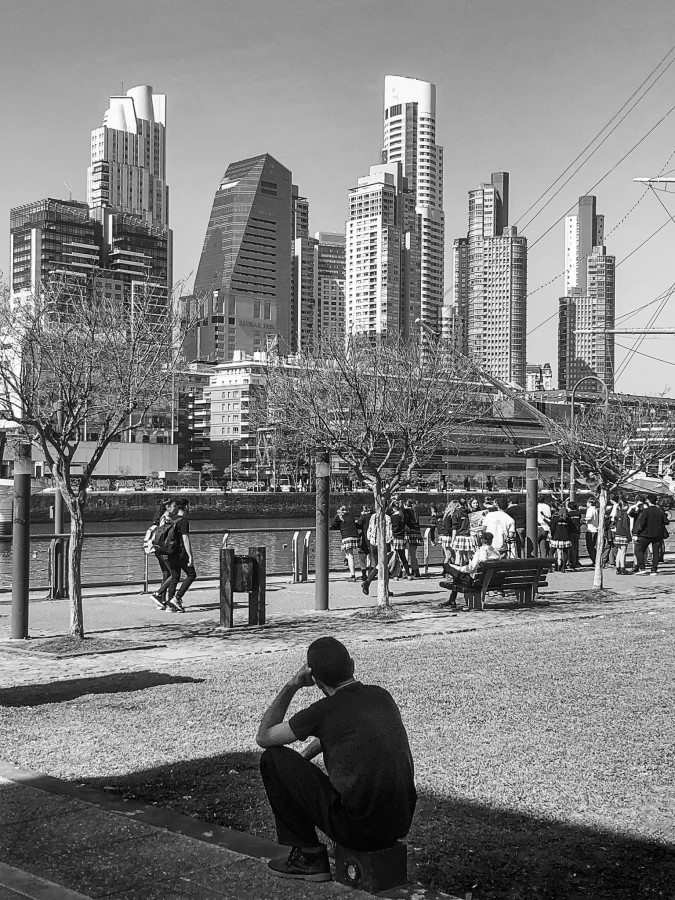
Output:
[[114, 506]]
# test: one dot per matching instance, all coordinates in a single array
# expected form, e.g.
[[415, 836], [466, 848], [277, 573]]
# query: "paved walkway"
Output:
[[58, 842], [147, 636]]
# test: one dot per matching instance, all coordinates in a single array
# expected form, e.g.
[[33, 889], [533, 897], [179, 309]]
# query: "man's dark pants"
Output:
[[303, 799], [592, 544], [641, 545], [574, 552], [177, 562]]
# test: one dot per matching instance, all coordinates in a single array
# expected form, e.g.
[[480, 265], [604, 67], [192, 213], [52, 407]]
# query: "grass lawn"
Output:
[[544, 753]]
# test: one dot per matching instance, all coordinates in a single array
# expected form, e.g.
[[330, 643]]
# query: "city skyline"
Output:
[[516, 114]]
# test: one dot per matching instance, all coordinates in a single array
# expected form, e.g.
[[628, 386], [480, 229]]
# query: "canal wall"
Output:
[[142, 506]]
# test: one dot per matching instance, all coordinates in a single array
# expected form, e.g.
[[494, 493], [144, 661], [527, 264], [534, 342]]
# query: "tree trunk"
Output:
[[382, 557], [602, 507], [75, 569]]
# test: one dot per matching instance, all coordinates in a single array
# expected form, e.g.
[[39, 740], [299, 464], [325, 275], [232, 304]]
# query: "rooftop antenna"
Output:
[[70, 190]]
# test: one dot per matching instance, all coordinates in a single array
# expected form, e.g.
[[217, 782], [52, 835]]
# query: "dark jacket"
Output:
[[652, 523]]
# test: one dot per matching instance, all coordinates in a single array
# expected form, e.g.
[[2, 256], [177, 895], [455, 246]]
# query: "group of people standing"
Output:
[[462, 523], [360, 539], [643, 523]]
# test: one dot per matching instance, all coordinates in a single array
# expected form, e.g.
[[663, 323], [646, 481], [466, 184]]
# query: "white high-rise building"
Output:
[[383, 254], [410, 138], [491, 284], [128, 157], [586, 312]]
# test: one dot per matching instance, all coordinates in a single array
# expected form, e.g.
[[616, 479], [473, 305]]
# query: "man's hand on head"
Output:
[[302, 678]]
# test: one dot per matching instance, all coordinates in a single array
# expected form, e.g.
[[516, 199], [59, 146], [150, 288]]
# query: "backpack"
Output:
[[165, 540], [147, 540]]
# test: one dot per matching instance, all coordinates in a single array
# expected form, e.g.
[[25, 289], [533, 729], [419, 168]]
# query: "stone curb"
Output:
[[158, 817], [23, 884]]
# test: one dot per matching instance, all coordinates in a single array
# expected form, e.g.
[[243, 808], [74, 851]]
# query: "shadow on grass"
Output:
[[62, 691], [454, 844]]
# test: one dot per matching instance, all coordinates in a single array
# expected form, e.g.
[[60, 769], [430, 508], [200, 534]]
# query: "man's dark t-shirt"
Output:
[[518, 514], [182, 527], [366, 754]]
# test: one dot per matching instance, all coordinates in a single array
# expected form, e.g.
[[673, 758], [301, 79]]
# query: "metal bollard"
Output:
[[305, 555], [297, 562], [427, 550]]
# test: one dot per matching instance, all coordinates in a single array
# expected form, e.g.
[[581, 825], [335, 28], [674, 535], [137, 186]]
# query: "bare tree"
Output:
[[611, 444], [381, 405], [103, 361]]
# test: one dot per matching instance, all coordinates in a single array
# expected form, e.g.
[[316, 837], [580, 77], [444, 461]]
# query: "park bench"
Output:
[[523, 576]]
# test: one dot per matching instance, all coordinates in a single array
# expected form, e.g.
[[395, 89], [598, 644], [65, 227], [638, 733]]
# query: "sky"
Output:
[[523, 86]]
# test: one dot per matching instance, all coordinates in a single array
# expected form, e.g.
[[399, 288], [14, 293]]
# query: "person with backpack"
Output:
[[172, 540], [167, 511]]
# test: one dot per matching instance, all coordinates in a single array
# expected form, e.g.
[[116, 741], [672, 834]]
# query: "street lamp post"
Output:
[[599, 381]]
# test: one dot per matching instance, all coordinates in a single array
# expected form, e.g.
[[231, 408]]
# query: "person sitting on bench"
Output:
[[367, 800], [465, 576]]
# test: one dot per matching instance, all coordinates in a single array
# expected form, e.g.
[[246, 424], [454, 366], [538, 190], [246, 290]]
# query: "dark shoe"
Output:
[[365, 588], [175, 605], [160, 602], [305, 865]]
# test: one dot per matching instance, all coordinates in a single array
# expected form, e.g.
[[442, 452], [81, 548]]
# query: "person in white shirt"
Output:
[[544, 528], [592, 524], [500, 524], [466, 575]]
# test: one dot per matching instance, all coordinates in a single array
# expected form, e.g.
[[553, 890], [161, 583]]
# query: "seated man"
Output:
[[367, 800], [465, 576]]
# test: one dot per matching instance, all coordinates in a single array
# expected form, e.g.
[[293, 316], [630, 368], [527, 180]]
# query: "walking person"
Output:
[[560, 537], [574, 529], [179, 558], [592, 524], [622, 536], [413, 534], [362, 523], [367, 798], [445, 532], [166, 512], [433, 522], [516, 509], [651, 527], [346, 525], [399, 542], [463, 543], [634, 511], [373, 542], [543, 528]]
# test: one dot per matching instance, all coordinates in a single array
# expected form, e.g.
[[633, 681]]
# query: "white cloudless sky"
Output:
[[522, 86]]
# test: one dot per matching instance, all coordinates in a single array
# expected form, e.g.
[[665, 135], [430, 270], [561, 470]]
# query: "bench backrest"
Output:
[[501, 573]]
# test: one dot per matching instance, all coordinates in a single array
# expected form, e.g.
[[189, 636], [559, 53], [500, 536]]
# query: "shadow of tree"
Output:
[[71, 689], [454, 844]]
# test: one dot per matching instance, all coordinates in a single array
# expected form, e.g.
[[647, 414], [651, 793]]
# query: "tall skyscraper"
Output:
[[121, 234], [490, 288], [128, 157], [330, 276], [410, 138], [243, 282], [588, 307], [383, 280]]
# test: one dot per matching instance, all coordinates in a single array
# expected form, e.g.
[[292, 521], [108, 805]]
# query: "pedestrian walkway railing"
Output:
[[117, 558]]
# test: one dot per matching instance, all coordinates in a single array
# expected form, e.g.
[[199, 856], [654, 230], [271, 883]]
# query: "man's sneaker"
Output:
[[175, 605], [160, 602], [653, 573], [305, 865], [365, 587], [642, 572]]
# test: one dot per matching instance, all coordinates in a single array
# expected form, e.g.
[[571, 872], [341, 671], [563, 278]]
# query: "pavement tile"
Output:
[[15, 883], [73, 828], [19, 803], [252, 878]]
